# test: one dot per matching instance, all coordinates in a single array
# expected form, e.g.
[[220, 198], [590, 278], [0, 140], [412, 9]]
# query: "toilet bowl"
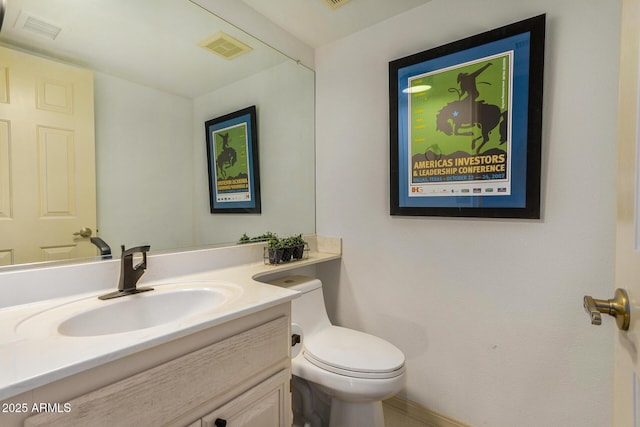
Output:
[[354, 370]]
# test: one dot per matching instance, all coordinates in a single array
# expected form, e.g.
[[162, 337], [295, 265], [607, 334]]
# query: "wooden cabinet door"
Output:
[[264, 405]]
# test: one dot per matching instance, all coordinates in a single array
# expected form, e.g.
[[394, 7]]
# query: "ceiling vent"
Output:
[[222, 44], [37, 26], [334, 4]]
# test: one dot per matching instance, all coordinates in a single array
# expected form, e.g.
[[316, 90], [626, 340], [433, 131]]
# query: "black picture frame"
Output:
[[233, 163], [466, 126]]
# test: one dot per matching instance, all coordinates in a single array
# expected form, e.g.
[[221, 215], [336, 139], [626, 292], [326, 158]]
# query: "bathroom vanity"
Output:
[[236, 371], [228, 364]]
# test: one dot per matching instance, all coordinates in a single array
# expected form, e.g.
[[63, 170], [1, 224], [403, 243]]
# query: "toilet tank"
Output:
[[308, 310]]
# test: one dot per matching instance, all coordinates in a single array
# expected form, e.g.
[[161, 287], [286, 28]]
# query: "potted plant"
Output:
[[276, 250], [298, 246], [287, 246], [265, 237], [281, 250]]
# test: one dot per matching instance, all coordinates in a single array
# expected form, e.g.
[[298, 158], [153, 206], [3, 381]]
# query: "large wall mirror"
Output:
[[152, 86]]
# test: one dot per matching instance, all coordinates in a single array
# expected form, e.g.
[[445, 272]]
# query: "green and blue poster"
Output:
[[465, 125], [459, 129], [233, 164]]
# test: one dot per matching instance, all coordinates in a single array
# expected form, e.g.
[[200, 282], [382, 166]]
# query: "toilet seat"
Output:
[[353, 353]]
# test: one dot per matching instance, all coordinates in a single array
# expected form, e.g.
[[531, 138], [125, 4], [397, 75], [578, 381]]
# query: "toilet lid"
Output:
[[353, 353]]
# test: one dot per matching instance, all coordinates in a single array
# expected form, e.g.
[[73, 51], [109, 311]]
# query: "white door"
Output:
[[47, 159], [627, 344], [626, 393]]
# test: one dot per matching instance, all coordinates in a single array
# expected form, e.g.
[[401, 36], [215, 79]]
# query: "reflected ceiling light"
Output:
[[416, 89]]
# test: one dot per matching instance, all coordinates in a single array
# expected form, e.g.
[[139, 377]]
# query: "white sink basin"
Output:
[[165, 304], [141, 311]]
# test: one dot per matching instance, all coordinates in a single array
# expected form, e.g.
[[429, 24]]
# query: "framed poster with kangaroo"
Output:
[[232, 156], [465, 122]]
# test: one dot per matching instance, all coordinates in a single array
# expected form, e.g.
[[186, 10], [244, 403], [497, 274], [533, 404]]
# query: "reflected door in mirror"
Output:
[[47, 159]]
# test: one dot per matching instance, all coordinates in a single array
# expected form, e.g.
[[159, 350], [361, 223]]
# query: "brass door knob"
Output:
[[617, 307], [84, 232]]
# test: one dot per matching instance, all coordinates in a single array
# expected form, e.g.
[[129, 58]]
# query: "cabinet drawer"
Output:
[[179, 386]]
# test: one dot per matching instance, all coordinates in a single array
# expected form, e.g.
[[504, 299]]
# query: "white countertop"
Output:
[[32, 356]]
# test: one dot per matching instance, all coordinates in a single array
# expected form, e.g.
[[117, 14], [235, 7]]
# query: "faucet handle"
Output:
[[128, 254], [144, 249], [130, 274]]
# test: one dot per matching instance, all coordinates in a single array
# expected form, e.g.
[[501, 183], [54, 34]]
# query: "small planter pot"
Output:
[[275, 255], [298, 251], [282, 255], [287, 253]]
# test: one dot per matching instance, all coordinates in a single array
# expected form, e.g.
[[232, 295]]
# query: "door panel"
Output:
[[627, 274], [47, 159], [57, 172], [5, 173]]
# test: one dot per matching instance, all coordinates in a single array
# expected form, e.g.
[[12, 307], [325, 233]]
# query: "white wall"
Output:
[[488, 312], [144, 153], [152, 160]]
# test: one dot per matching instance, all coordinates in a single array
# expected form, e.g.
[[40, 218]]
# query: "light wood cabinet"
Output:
[[243, 379], [265, 405]]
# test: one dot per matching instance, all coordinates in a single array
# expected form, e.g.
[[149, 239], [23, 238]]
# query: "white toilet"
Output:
[[337, 369]]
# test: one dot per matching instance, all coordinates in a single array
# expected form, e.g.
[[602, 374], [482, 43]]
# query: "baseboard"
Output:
[[399, 412]]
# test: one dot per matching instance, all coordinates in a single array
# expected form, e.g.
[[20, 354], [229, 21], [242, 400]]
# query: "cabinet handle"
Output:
[[219, 422]]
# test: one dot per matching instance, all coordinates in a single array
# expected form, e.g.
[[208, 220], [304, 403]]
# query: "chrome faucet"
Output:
[[130, 274]]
